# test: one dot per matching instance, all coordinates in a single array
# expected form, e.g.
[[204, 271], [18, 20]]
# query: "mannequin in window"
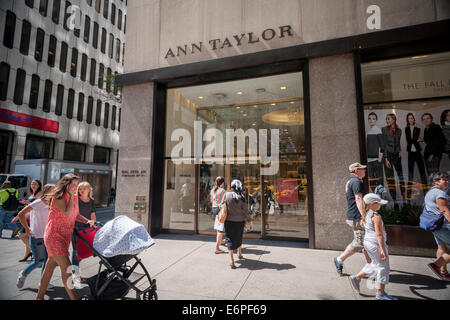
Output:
[[375, 150]]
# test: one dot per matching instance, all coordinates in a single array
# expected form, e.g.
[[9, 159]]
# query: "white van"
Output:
[[19, 182]]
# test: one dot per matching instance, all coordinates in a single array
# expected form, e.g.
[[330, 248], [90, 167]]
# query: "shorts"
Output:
[[442, 236], [358, 235]]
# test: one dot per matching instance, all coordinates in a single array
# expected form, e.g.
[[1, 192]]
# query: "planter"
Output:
[[410, 241]]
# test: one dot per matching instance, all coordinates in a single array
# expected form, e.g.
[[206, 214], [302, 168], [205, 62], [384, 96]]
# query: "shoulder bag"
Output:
[[222, 215], [430, 221]]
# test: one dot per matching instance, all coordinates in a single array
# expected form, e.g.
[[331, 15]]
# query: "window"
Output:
[[29, 3], [97, 5], [95, 36], [34, 91], [106, 116], [51, 52], [10, 27], [37, 147], [46, 105], [125, 24], [111, 45], [92, 72], [406, 117], [87, 28], [98, 113], [55, 11], [105, 8], [113, 118], [4, 80], [74, 63], [80, 106], [89, 2], [66, 16], [101, 72], [20, 85], [70, 102], [18, 181], [40, 36], [83, 67], [115, 86], [25, 38], [119, 20], [120, 116], [103, 43], [123, 54], [43, 7], [74, 151], [6, 143], [59, 100], [117, 50], [101, 155], [108, 80], [90, 110], [113, 13], [63, 57]]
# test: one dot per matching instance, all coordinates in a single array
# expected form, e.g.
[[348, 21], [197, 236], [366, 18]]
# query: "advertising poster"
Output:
[[287, 191]]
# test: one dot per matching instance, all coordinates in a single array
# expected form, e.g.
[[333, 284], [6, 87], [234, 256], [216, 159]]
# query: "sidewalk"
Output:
[[185, 267]]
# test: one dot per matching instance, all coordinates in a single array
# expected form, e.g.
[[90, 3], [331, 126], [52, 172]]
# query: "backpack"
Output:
[[11, 204]]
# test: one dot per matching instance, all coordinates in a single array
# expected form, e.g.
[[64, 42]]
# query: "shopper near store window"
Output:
[[216, 195], [435, 144], [35, 193], [8, 206], [355, 191], [237, 215], [412, 133], [437, 202], [375, 151], [376, 247], [445, 124], [393, 157]]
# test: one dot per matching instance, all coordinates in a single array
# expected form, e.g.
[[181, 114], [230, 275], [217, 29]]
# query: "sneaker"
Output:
[[15, 232], [437, 271], [339, 266], [384, 296], [446, 276], [77, 281], [355, 282], [20, 280]]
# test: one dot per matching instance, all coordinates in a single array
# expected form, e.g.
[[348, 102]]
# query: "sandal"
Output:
[[232, 266], [240, 257], [219, 251]]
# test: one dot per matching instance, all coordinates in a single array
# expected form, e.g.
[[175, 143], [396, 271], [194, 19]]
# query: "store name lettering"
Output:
[[433, 84], [227, 42]]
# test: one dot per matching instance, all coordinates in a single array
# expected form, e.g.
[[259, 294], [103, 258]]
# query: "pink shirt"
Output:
[[38, 218]]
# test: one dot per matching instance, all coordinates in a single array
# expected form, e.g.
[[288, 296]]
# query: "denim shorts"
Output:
[[442, 237]]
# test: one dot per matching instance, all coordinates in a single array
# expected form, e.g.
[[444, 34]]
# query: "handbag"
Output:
[[430, 221], [222, 215]]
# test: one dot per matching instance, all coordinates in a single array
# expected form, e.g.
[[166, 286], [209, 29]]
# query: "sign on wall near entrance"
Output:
[[25, 120]]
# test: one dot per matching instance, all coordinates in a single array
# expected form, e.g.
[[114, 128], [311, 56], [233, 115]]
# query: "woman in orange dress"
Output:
[[58, 233]]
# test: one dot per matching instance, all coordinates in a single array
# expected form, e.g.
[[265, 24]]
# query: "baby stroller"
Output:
[[117, 243]]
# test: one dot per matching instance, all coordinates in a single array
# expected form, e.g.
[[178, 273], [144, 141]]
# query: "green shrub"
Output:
[[408, 215]]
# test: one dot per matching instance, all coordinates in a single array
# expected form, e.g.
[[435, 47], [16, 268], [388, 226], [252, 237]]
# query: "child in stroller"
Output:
[[116, 243]]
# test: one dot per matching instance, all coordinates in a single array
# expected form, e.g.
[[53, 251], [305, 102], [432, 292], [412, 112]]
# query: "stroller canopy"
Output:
[[122, 236]]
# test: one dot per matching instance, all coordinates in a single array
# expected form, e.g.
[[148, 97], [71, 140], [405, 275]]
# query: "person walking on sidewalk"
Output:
[[58, 233], [376, 247], [355, 191], [38, 212], [437, 202], [216, 195], [237, 215], [8, 206], [86, 205]]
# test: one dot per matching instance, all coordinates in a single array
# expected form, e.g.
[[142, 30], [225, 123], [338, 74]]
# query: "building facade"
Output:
[[58, 99], [282, 95]]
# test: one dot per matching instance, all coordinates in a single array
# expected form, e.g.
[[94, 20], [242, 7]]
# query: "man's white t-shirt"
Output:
[[38, 218]]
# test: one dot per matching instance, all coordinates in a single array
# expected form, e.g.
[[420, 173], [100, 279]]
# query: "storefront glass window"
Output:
[[231, 129], [39, 148], [407, 129]]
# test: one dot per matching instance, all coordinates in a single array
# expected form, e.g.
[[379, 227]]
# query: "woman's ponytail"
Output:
[[363, 215]]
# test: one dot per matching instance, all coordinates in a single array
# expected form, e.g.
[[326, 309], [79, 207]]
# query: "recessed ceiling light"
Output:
[[238, 107], [253, 124], [283, 88], [200, 97], [292, 102], [244, 114], [273, 104], [239, 92]]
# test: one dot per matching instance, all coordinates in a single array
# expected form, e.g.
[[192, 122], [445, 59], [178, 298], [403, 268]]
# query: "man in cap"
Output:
[[355, 191]]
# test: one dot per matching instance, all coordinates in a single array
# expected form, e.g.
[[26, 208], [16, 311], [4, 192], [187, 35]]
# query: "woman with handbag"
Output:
[[236, 215], [216, 195], [436, 202]]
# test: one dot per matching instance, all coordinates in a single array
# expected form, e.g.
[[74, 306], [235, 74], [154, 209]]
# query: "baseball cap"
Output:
[[355, 166], [373, 198]]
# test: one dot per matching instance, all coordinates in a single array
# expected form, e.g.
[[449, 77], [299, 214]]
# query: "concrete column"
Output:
[[335, 144], [135, 151]]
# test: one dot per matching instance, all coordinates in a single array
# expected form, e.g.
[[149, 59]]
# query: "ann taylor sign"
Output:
[[227, 42]]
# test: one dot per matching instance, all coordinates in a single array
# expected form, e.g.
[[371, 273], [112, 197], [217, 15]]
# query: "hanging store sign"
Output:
[[25, 120]]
